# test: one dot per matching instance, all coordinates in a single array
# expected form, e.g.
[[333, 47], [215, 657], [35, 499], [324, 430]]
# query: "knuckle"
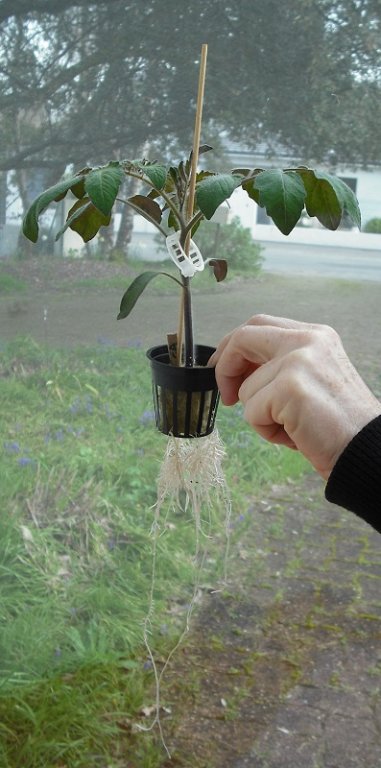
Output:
[[328, 332], [296, 369], [294, 388], [318, 335], [259, 319]]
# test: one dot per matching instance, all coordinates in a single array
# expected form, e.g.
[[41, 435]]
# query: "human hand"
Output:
[[297, 385]]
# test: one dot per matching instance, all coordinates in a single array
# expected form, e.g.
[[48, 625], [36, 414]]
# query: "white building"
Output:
[[366, 183]]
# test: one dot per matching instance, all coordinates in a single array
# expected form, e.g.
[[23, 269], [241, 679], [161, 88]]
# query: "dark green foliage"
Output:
[[55, 193], [328, 197], [136, 288], [114, 78], [214, 190], [102, 185], [232, 242], [373, 226], [284, 194]]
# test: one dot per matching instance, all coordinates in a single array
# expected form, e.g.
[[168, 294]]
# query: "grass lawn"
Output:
[[79, 459]]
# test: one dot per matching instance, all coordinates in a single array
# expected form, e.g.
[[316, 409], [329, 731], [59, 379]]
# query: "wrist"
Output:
[[355, 481], [356, 426]]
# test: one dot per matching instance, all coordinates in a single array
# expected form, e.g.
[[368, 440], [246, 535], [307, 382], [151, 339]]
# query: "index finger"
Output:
[[260, 320], [246, 349]]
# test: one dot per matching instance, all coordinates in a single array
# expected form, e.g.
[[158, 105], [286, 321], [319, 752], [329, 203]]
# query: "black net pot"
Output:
[[185, 399]]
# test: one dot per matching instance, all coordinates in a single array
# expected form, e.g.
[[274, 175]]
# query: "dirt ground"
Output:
[[282, 669], [58, 310]]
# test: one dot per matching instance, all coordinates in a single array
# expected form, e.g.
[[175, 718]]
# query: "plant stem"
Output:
[[188, 325], [188, 229], [177, 214]]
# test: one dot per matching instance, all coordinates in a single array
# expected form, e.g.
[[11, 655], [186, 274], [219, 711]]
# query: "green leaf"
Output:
[[248, 183], [214, 190], [241, 171], [201, 175], [79, 189], [220, 268], [252, 191], [102, 186], [157, 174], [196, 225], [57, 192], [146, 207], [328, 197], [172, 221], [153, 194], [136, 289], [204, 148], [347, 198], [282, 193], [73, 214], [85, 219]]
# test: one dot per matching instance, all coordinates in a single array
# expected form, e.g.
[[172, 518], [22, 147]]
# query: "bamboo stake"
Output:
[[197, 133], [192, 189]]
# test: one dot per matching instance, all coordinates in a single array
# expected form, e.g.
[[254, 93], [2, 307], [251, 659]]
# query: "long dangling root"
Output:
[[192, 468]]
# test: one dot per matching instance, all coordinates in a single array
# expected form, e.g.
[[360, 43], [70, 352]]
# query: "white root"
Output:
[[192, 469]]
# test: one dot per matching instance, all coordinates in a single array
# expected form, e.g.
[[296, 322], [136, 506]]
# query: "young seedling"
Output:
[[285, 194], [176, 199]]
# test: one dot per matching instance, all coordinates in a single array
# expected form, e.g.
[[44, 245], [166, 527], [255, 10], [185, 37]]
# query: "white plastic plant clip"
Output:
[[187, 265]]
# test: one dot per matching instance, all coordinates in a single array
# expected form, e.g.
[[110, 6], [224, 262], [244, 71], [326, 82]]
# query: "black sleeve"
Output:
[[355, 481]]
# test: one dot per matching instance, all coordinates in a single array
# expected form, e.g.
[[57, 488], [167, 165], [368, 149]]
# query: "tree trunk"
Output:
[[106, 239], [126, 225], [24, 246]]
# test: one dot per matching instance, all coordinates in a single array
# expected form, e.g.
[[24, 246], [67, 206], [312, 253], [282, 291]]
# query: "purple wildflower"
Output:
[[105, 341], [108, 412], [11, 446], [134, 344], [25, 461], [89, 404], [147, 417], [75, 406]]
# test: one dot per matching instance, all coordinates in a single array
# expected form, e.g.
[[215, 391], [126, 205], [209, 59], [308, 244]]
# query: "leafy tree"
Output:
[[373, 226], [233, 242], [17, 8], [86, 81], [129, 71], [344, 108]]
